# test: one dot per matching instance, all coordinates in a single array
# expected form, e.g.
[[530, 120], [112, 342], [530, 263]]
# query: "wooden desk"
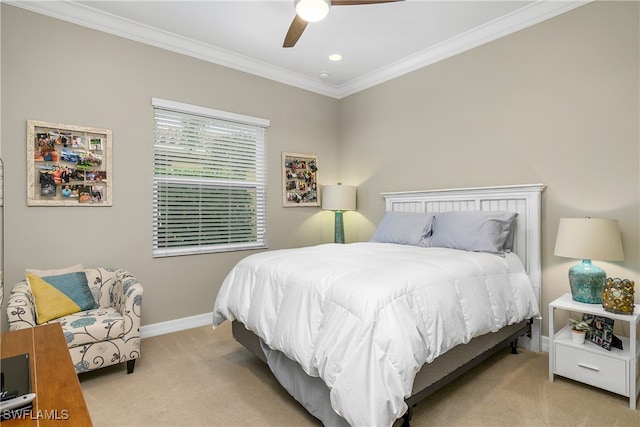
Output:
[[59, 399]]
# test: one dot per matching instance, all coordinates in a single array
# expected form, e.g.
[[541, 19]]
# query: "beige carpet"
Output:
[[202, 377]]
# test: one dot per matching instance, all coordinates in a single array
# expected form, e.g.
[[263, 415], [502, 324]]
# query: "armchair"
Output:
[[99, 337]]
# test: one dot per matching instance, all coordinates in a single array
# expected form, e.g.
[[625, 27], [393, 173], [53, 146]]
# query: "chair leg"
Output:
[[130, 365]]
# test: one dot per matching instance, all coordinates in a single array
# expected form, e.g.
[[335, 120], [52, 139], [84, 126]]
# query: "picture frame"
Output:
[[300, 180], [68, 165], [601, 332]]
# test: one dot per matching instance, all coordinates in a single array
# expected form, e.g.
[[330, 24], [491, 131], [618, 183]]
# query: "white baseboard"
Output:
[[176, 325], [545, 344]]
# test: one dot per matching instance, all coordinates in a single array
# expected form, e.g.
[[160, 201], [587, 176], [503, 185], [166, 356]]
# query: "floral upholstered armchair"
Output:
[[102, 336]]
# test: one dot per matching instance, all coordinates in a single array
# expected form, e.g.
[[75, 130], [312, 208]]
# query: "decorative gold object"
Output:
[[617, 296]]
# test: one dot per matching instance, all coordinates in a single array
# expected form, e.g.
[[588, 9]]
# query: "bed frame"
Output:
[[523, 199]]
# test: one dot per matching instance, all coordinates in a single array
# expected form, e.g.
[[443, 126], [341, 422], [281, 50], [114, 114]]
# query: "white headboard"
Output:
[[523, 199]]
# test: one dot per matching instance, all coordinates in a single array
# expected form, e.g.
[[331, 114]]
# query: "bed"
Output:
[[359, 333]]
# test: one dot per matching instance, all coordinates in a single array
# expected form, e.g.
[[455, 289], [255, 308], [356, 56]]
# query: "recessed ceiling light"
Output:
[[335, 57], [324, 75]]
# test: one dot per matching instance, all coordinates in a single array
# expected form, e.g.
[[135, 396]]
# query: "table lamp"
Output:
[[339, 198], [587, 239]]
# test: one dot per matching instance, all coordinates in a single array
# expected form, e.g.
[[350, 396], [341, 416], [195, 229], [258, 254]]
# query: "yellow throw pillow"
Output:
[[59, 292]]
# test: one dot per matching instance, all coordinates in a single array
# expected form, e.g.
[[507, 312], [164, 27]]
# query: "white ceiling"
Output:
[[378, 42]]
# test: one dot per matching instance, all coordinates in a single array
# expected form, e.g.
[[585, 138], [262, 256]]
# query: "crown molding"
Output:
[[91, 18]]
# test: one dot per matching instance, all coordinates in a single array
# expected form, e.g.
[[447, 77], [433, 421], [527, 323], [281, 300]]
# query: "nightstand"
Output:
[[615, 370]]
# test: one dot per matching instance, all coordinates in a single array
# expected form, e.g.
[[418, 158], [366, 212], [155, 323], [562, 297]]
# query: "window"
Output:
[[209, 180]]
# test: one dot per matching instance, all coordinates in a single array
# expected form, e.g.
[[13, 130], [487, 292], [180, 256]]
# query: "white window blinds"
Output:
[[209, 184]]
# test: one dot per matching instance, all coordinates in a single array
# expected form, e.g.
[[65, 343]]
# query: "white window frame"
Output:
[[195, 198]]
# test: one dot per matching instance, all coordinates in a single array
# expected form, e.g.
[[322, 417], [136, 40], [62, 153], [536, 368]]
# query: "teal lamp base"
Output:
[[339, 228], [587, 282]]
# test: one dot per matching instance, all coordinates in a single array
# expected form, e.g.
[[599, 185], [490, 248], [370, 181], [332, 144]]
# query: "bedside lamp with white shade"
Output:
[[339, 198], [587, 239]]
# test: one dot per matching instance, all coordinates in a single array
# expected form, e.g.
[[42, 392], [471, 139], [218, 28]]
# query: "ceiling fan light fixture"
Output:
[[312, 10]]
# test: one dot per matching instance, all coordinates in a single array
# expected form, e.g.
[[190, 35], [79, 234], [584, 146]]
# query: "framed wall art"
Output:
[[300, 180], [68, 165]]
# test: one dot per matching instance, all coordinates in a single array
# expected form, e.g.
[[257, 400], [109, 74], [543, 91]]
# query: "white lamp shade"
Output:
[[589, 238], [339, 197], [312, 10]]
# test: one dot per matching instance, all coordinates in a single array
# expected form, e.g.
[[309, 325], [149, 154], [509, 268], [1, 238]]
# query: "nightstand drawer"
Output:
[[598, 370]]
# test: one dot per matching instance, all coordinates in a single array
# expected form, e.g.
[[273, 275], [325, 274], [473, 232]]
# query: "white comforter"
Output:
[[364, 317]]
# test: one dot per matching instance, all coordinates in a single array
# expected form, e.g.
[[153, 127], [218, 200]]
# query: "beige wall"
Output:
[[59, 72], [556, 103]]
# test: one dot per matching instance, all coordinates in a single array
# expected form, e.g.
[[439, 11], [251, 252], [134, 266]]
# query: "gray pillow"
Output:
[[477, 231], [405, 228], [509, 241]]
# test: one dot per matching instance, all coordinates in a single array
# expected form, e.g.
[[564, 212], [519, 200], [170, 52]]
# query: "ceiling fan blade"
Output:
[[298, 25], [357, 2], [295, 31]]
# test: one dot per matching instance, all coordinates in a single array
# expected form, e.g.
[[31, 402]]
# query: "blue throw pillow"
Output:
[[60, 292]]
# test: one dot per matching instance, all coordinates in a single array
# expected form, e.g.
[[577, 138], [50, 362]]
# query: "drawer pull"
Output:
[[582, 365]]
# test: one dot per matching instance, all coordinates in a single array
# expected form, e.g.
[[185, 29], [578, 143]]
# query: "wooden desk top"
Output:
[[59, 399]]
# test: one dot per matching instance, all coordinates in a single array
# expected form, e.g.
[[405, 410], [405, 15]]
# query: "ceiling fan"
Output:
[[314, 11]]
